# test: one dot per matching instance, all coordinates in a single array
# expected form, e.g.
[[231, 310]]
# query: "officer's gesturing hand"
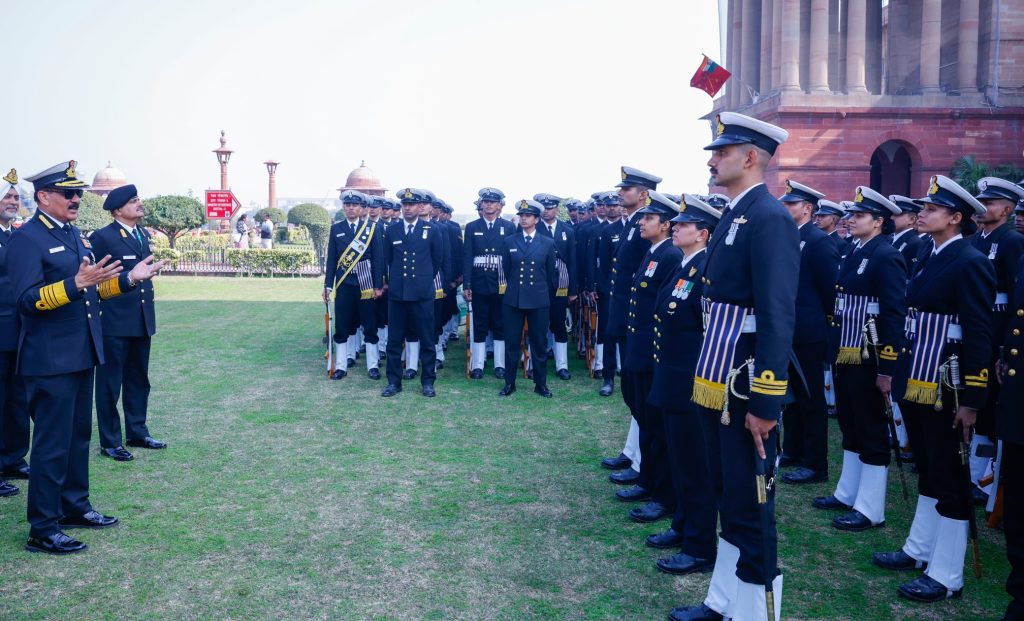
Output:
[[146, 269], [90, 274]]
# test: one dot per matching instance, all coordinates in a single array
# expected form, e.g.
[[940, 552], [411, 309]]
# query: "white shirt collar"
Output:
[[6, 229], [739, 197], [945, 243], [130, 229], [897, 236], [60, 225], [687, 259], [655, 246]]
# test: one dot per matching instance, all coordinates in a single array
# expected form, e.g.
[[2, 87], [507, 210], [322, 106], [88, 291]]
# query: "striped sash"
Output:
[[928, 334], [365, 276], [563, 279], [852, 313], [723, 324]]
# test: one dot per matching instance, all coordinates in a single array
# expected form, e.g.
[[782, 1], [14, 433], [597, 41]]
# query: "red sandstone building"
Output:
[[877, 93]]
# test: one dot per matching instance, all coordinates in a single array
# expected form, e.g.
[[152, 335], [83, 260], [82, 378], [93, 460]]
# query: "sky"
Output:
[[450, 95]]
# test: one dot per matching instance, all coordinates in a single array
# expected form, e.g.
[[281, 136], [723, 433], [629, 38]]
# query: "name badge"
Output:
[[128, 256], [480, 233], [57, 249], [396, 242], [339, 234], [513, 249]]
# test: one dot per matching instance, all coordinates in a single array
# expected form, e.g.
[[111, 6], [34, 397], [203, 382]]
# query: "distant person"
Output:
[[242, 232], [14, 418], [267, 233]]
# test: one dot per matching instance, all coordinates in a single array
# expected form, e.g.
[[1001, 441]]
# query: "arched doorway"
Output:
[[891, 168]]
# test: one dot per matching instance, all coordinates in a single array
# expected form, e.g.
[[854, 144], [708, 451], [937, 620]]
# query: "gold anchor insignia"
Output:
[[647, 204], [934, 187], [789, 187], [408, 193], [70, 172], [523, 205], [682, 207], [12, 177], [721, 127], [860, 197], [623, 173]]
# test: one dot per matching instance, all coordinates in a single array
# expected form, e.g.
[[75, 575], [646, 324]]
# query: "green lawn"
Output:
[[287, 496]]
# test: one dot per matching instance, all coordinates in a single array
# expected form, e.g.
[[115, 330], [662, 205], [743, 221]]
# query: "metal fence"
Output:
[[213, 261]]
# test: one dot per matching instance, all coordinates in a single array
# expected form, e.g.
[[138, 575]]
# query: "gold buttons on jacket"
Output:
[[1014, 352], [1016, 331], [1020, 312], [1012, 372]]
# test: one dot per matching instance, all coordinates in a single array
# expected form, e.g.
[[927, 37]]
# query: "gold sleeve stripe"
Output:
[[110, 288], [52, 297], [771, 392], [976, 384], [887, 355]]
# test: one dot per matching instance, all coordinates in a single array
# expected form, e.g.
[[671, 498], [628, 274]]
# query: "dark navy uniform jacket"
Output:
[[754, 262], [9, 323], [413, 261], [1010, 421], [959, 281], [61, 329], [455, 239], [655, 268], [586, 237], [816, 291], [842, 245], [133, 312], [874, 271], [625, 261], [910, 246], [603, 251], [678, 334], [480, 242], [340, 237], [530, 270], [1004, 247], [447, 269], [565, 250]]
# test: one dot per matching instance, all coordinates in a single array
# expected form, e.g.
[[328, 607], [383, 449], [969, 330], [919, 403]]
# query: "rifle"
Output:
[[469, 338], [524, 349], [329, 330], [592, 337]]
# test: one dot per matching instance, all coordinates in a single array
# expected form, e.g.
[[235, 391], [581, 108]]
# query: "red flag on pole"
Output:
[[710, 77]]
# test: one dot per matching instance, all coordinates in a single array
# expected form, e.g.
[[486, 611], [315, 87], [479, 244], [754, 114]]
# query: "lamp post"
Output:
[[223, 155], [271, 183]]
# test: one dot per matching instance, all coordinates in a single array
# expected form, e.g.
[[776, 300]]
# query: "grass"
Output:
[[284, 495]]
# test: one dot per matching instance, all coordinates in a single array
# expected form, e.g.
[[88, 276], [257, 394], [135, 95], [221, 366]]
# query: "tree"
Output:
[[174, 215], [317, 221], [91, 214], [967, 171], [276, 215]]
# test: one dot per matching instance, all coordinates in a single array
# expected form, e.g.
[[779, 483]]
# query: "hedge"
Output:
[[263, 261]]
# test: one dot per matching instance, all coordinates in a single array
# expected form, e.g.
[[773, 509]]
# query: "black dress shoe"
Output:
[[607, 389], [499, 372], [338, 374], [786, 461], [351, 362], [373, 374], [616, 463], [476, 374], [57, 543], [830, 502], [148, 442], [507, 390], [665, 540], [682, 564], [650, 512], [409, 374], [428, 390], [117, 453], [542, 391], [92, 519], [804, 475], [694, 613], [633, 494], [624, 477], [6, 489], [563, 374], [855, 522], [438, 365], [897, 561], [390, 390], [21, 472], [928, 590]]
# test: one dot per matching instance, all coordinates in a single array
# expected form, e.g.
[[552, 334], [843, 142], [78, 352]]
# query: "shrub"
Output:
[[91, 214], [263, 261], [174, 215], [317, 221]]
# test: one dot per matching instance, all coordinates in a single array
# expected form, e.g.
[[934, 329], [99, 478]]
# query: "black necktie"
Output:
[[489, 225], [529, 238], [408, 230]]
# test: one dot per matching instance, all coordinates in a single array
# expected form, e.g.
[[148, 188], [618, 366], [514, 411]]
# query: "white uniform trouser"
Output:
[[849, 478], [632, 447], [921, 539], [412, 356], [561, 356]]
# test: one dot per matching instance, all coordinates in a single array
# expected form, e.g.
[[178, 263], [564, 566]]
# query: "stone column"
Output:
[[818, 66], [777, 43], [751, 48], [767, 10], [856, 46], [931, 40], [967, 47], [790, 67], [736, 32]]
